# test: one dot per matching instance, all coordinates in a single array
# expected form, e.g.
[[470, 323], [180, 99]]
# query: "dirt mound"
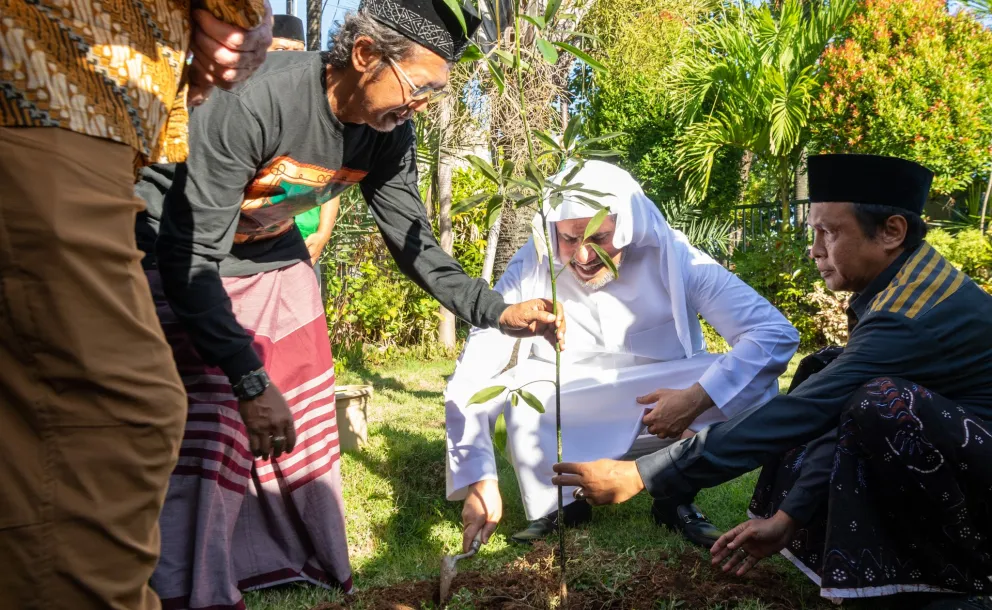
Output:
[[596, 581]]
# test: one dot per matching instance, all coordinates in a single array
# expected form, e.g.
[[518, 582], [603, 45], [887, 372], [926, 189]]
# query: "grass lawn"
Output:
[[399, 523]]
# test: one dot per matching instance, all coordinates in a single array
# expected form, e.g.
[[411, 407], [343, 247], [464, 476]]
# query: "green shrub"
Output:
[[779, 269], [968, 250]]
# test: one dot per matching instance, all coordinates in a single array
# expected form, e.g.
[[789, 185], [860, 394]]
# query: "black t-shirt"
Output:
[[260, 155]]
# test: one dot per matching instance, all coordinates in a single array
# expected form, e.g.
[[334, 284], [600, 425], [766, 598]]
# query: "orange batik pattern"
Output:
[[108, 69]]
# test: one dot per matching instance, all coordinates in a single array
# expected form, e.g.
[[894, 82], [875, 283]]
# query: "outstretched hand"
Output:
[[600, 482], [750, 542], [535, 318]]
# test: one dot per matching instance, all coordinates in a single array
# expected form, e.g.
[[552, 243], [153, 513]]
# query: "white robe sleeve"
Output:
[[762, 339], [470, 456]]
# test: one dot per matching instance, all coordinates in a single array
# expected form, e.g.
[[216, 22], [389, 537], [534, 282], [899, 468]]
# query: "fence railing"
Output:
[[751, 221]]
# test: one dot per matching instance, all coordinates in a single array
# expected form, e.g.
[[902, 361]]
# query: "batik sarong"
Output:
[[909, 499], [232, 522]]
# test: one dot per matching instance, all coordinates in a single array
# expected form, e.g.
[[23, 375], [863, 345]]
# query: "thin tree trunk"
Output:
[[985, 206], [491, 240], [785, 183], [314, 13], [445, 171]]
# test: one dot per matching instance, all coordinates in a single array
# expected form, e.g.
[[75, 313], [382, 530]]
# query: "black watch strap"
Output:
[[252, 385]]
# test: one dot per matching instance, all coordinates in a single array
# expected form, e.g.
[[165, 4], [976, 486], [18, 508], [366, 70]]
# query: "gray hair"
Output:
[[386, 42]]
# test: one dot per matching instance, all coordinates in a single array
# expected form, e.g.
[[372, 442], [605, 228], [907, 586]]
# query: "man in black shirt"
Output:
[[892, 493], [239, 301]]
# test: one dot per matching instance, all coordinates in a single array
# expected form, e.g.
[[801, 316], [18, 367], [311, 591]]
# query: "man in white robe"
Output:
[[636, 364]]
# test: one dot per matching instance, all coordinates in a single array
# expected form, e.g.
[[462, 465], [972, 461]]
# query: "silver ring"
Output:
[[579, 494], [743, 552], [278, 440]]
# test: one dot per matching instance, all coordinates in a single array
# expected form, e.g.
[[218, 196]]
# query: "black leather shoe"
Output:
[[576, 513], [687, 520]]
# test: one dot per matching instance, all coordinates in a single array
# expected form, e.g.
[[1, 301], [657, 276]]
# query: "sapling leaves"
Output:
[[595, 223], [486, 394], [605, 258]]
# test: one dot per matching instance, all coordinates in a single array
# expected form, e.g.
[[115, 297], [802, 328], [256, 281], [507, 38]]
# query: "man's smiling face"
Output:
[[582, 261]]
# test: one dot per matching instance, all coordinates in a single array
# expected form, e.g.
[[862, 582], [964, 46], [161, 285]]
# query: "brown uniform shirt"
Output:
[[108, 69]]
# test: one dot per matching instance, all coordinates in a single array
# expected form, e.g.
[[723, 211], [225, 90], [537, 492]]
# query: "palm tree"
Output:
[[749, 82]]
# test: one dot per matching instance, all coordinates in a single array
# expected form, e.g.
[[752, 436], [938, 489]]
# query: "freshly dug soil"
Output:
[[598, 582]]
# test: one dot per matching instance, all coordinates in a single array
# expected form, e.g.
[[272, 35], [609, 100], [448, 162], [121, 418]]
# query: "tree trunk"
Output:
[[491, 240], [445, 171], [314, 13], [985, 206], [785, 184], [747, 162]]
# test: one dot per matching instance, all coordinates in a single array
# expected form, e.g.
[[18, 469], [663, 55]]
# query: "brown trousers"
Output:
[[91, 406]]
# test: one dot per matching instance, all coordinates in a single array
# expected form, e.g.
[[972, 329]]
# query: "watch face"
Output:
[[252, 385]]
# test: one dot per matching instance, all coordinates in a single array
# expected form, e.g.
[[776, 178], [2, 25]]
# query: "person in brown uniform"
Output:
[[91, 406]]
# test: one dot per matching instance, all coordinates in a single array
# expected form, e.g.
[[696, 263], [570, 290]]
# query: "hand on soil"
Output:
[[602, 481], [759, 538], [482, 510]]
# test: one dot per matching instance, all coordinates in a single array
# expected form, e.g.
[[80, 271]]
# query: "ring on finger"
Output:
[[579, 494]]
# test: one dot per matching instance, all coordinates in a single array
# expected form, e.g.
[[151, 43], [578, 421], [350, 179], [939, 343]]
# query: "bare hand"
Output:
[[315, 246], [269, 422], [602, 481], [674, 410], [224, 54], [758, 538], [482, 510], [534, 318]]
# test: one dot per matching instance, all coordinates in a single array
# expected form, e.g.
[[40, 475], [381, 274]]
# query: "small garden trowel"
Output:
[[449, 570]]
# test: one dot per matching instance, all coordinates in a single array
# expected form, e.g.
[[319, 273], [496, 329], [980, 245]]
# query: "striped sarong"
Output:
[[231, 522]]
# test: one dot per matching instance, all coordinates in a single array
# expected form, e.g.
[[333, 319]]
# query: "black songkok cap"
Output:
[[430, 23], [288, 27], [869, 179]]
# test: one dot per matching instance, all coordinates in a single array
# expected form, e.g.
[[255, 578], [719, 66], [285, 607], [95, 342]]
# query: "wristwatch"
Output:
[[252, 385]]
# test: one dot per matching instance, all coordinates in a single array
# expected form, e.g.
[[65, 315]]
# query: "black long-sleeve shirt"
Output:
[[928, 323], [260, 155]]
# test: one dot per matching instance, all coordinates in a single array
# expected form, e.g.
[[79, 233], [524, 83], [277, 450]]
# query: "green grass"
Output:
[[399, 523]]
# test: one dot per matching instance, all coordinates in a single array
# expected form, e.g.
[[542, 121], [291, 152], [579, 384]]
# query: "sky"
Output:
[[334, 10]]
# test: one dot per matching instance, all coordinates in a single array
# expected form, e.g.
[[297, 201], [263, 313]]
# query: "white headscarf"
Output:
[[639, 223]]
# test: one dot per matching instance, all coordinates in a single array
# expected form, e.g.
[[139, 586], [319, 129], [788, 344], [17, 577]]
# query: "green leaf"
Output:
[[590, 202], [595, 223], [534, 173], [573, 172], [493, 209], [483, 166], [605, 258], [591, 192], [572, 130], [526, 184], [556, 200], [548, 51], [525, 201], [457, 10], [486, 394], [551, 9], [538, 22], [546, 139], [472, 53], [513, 398], [499, 434], [507, 169], [602, 138], [506, 58], [531, 400], [600, 154], [497, 73], [468, 203], [594, 64]]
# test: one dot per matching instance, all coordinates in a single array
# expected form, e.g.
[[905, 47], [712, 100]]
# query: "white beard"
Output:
[[594, 284]]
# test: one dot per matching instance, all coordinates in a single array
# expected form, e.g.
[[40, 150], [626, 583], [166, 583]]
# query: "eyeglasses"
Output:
[[418, 94]]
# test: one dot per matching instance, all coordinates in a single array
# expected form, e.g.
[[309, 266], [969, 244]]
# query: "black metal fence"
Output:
[[753, 221]]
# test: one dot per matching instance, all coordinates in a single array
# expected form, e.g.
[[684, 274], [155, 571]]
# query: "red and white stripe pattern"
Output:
[[232, 522]]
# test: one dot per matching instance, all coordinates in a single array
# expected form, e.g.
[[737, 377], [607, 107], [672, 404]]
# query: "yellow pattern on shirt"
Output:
[[112, 69]]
